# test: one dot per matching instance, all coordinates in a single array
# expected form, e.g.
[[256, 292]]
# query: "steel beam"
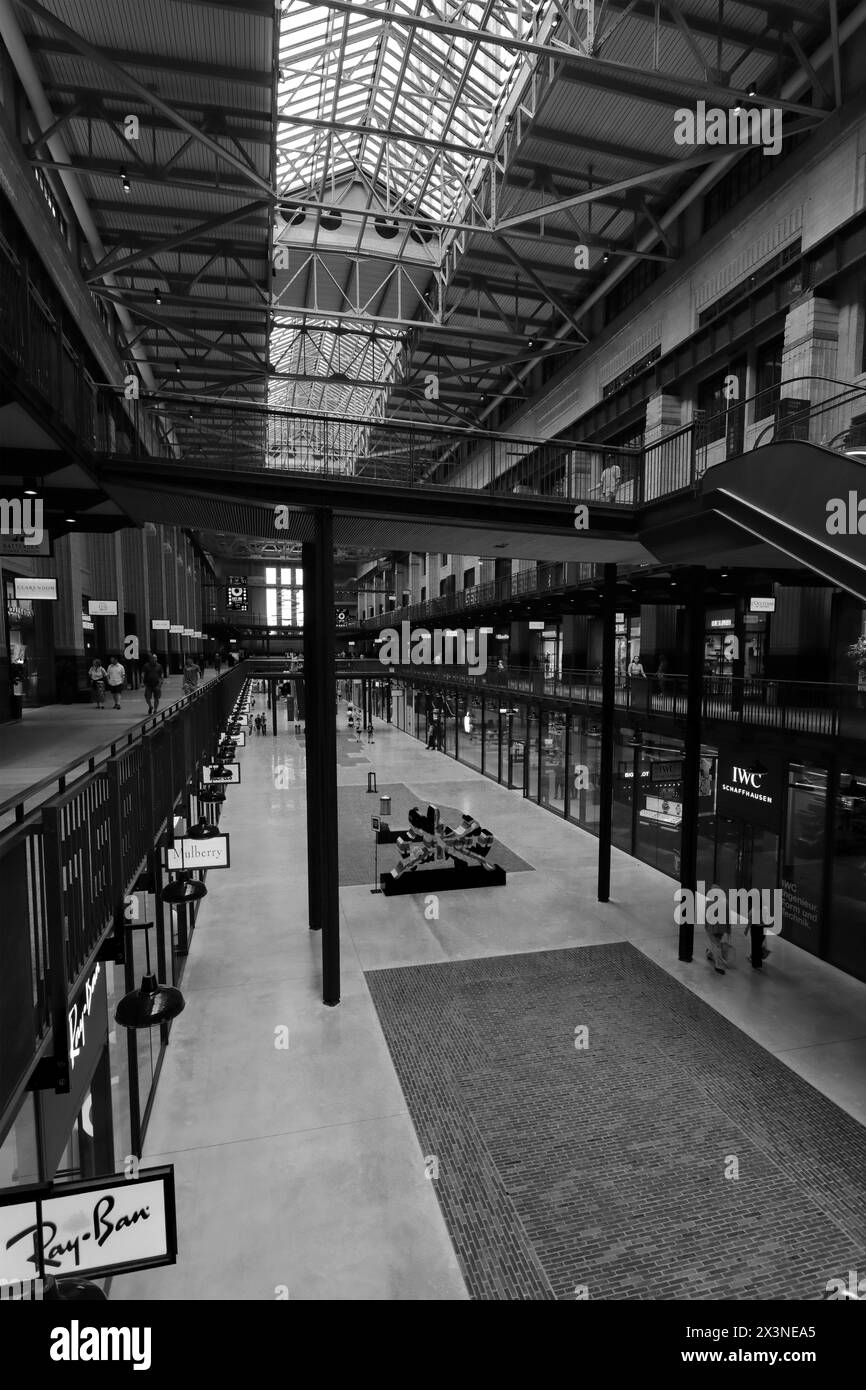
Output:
[[131, 84]]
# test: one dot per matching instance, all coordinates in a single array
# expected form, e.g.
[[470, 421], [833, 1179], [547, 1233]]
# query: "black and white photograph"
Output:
[[435, 428]]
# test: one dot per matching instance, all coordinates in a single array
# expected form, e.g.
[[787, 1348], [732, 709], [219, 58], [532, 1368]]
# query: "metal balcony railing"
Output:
[[806, 707]]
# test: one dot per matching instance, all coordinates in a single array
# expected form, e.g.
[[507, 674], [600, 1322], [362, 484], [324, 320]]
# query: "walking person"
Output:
[[98, 677], [152, 678], [116, 675], [635, 669], [611, 477], [191, 676], [217, 662], [719, 948], [370, 731]]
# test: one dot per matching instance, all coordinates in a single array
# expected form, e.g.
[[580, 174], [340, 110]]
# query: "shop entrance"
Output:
[[747, 855]]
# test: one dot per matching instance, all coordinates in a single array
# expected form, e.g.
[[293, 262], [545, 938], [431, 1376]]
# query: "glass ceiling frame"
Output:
[[409, 113]]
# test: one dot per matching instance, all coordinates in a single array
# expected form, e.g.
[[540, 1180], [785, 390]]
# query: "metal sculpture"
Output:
[[428, 841]]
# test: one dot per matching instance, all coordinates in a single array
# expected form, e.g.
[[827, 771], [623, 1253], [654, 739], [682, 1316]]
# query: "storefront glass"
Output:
[[846, 935], [803, 845], [553, 771], [514, 751], [531, 755], [583, 773], [471, 730], [658, 822], [19, 1154]]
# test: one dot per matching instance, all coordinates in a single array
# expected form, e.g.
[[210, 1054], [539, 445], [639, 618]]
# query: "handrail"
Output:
[[93, 757]]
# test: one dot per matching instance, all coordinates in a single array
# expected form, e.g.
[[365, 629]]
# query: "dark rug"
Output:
[[600, 1171], [356, 805]]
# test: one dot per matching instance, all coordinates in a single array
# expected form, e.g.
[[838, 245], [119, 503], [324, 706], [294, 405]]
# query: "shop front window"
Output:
[[803, 855], [471, 731], [553, 770], [583, 775], [531, 755], [19, 1153], [659, 818], [846, 938]]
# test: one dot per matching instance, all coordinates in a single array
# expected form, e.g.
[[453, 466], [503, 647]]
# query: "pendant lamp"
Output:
[[152, 1002]]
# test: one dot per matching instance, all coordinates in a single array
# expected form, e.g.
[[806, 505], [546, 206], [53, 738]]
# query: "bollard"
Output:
[[385, 805], [371, 782]]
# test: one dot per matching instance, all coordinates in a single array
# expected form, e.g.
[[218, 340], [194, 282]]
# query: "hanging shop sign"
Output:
[[187, 852], [176, 628], [103, 1226], [160, 624], [36, 588], [750, 786], [188, 632], [102, 607], [86, 1038], [721, 622], [221, 773], [762, 605], [24, 545]]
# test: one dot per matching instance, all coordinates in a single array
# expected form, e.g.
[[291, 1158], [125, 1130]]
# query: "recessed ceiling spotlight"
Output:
[[124, 179], [605, 258], [157, 297]]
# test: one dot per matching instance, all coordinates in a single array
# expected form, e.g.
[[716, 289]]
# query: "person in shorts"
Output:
[[152, 678]]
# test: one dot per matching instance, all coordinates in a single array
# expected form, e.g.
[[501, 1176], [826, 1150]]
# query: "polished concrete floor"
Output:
[[298, 1169]]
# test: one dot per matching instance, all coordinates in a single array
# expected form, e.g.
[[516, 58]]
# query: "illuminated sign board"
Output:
[[762, 605], [176, 628], [750, 786], [36, 588], [102, 607], [160, 624]]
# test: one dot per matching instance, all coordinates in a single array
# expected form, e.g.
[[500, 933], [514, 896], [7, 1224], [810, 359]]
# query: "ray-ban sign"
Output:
[[104, 1226]]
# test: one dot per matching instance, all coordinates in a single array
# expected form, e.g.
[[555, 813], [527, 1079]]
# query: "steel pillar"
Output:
[[312, 704], [608, 693], [321, 600], [695, 625]]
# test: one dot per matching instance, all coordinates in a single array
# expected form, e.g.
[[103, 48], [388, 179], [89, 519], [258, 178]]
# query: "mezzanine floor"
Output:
[[301, 1171], [48, 737]]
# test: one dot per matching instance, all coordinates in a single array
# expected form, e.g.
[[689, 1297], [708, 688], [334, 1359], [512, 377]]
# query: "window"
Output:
[[713, 405], [768, 377], [444, 559], [284, 596], [423, 594], [468, 578]]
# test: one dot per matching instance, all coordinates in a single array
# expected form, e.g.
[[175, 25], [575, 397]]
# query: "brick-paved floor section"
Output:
[[604, 1168]]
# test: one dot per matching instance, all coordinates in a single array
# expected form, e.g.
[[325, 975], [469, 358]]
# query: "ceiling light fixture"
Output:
[[124, 179], [157, 297]]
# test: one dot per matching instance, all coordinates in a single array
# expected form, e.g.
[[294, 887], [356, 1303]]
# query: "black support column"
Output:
[[322, 768], [312, 742], [695, 625], [608, 690]]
